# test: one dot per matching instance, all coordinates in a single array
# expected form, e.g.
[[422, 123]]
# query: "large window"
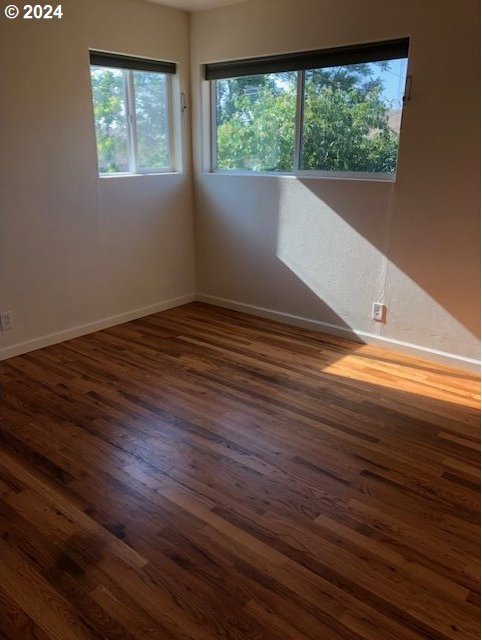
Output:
[[322, 117], [132, 112]]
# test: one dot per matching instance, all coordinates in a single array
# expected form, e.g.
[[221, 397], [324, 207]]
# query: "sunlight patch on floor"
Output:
[[361, 368]]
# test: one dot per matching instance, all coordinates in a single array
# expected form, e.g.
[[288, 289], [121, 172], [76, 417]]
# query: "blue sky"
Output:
[[393, 81]]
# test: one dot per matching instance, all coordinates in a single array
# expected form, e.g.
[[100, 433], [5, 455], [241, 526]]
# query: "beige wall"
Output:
[[77, 249], [326, 249]]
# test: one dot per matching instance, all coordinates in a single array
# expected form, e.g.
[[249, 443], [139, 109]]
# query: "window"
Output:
[[132, 112], [334, 112]]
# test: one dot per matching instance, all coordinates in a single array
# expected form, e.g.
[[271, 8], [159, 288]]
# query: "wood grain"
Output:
[[202, 474]]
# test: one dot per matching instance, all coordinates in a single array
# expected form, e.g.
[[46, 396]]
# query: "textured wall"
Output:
[[325, 248], [76, 248]]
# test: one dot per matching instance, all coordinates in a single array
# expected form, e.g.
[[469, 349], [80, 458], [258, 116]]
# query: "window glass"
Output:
[[346, 119], [352, 116], [152, 119], [110, 113], [255, 122]]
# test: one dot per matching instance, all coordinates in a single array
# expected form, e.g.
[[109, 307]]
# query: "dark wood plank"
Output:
[[202, 474]]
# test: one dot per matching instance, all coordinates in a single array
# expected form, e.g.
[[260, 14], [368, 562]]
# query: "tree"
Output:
[[345, 122], [109, 95], [151, 119], [110, 119], [256, 122]]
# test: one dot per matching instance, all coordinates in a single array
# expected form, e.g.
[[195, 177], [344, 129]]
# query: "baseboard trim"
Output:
[[408, 348], [90, 327]]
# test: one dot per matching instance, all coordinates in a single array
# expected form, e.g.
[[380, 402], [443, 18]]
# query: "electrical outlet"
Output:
[[6, 320], [379, 312]]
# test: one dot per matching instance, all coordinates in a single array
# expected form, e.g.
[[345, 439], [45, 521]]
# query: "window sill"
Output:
[[309, 175], [109, 176]]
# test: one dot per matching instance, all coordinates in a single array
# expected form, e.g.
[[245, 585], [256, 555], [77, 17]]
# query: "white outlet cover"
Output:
[[379, 311], [6, 320]]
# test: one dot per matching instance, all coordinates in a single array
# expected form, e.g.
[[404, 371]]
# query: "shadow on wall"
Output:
[[238, 247], [290, 244], [419, 247]]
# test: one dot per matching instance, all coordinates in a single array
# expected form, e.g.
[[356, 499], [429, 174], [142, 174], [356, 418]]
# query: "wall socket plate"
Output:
[[379, 312], [6, 320]]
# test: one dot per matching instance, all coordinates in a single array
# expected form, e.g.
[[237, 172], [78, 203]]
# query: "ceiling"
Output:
[[197, 5]]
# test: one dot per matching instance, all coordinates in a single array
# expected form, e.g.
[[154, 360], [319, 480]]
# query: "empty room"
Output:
[[240, 320]]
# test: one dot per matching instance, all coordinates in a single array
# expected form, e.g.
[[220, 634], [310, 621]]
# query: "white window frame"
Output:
[[297, 172], [132, 151]]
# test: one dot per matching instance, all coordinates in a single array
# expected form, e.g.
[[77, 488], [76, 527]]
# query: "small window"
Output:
[[132, 112], [315, 117]]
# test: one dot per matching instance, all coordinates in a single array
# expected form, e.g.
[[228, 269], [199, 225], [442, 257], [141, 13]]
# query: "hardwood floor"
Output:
[[203, 474]]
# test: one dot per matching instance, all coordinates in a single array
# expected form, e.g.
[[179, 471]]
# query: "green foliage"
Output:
[[345, 123], [256, 123], [151, 119], [110, 119], [108, 88]]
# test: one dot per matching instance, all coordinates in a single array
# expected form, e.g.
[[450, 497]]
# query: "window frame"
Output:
[[131, 124], [297, 171]]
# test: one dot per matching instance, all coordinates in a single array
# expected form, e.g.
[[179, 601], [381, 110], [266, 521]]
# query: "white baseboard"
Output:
[[90, 327], [408, 348], [442, 357]]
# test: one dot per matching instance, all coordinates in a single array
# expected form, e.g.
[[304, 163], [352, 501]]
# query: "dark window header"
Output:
[[103, 59], [339, 56]]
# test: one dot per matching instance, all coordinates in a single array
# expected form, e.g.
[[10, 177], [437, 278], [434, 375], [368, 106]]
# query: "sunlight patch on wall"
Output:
[[337, 263], [345, 269]]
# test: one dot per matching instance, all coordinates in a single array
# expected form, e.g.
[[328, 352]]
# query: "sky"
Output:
[[393, 81]]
